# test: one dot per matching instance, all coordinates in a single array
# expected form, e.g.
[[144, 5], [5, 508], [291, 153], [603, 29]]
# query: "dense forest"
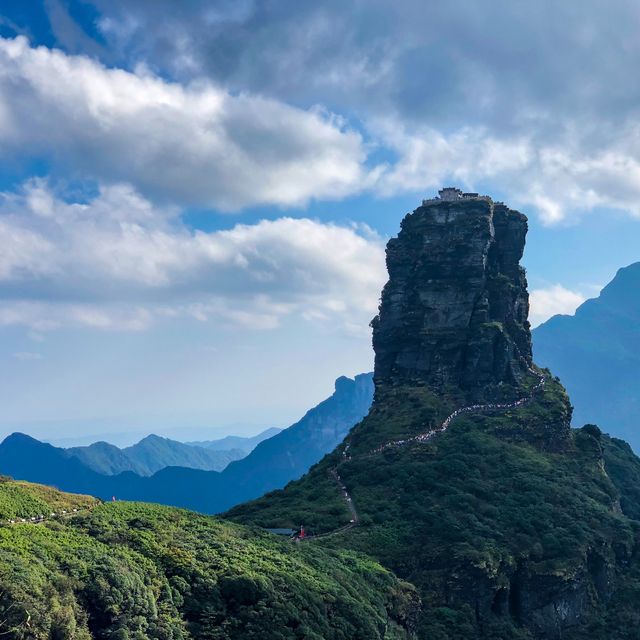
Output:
[[130, 570]]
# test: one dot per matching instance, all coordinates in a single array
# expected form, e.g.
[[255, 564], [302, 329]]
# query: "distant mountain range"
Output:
[[289, 455], [274, 461], [236, 442], [596, 354], [152, 454]]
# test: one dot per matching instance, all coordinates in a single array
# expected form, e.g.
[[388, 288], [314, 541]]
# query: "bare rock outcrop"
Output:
[[453, 314]]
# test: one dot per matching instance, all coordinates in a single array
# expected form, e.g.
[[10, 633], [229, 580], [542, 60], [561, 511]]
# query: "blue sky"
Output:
[[195, 197]]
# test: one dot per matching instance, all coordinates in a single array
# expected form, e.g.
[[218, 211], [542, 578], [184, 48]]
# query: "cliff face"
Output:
[[454, 311]]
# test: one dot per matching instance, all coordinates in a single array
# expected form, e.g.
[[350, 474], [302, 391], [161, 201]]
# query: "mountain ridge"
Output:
[[151, 454], [596, 352], [245, 443]]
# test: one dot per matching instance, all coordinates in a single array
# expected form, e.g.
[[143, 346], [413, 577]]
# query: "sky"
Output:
[[195, 197]]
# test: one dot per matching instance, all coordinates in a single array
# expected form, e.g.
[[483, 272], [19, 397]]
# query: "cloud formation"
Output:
[[559, 180], [536, 99], [500, 64], [118, 262], [188, 143], [552, 301], [192, 142]]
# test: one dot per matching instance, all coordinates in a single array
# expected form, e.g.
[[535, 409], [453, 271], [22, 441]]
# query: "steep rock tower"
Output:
[[453, 315]]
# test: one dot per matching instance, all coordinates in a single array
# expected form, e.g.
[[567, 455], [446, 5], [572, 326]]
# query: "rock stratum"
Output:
[[510, 524], [454, 311]]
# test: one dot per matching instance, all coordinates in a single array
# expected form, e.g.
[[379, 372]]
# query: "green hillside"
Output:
[[491, 520], [130, 570], [25, 500]]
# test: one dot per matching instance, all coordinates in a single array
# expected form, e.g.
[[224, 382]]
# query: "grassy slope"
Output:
[[132, 570], [459, 515], [22, 500]]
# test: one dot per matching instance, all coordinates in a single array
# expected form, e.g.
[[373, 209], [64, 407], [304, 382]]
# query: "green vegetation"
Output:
[[24, 500], [400, 412], [507, 526], [130, 570], [496, 514]]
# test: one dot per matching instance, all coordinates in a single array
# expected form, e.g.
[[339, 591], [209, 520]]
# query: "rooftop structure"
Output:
[[451, 194]]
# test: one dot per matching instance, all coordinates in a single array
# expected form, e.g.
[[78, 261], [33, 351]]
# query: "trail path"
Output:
[[39, 519], [425, 436], [334, 474]]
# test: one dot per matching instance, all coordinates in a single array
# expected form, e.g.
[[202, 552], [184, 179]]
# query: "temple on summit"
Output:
[[451, 194]]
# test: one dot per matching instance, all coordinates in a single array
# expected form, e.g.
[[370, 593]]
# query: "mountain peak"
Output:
[[342, 384], [622, 291], [19, 438], [346, 385], [152, 437], [454, 311]]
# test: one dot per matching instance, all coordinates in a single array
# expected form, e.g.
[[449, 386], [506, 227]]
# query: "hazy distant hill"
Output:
[[26, 458], [152, 454], [246, 444], [291, 453], [273, 463], [103, 457], [596, 354]]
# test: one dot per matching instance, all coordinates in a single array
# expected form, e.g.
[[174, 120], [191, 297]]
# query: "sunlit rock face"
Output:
[[454, 312]]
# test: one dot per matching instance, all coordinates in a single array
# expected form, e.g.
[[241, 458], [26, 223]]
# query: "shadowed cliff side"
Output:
[[453, 314]]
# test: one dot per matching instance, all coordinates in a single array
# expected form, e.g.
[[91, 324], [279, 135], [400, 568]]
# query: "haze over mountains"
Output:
[[244, 443], [271, 464], [154, 452], [596, 354], [151, 454]]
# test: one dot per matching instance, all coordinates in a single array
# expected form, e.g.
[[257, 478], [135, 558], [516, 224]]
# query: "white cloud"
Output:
[[560, 180], [115, 262], [196, 143], [546, 113], [193, 144], [51, 314], [551, 301]]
